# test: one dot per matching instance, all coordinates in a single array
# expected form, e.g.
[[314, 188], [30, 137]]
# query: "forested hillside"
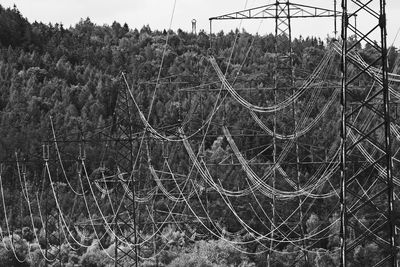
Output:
[[75, 76]]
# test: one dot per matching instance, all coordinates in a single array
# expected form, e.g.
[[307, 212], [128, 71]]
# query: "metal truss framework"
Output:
[[129, 155], [366, 191], [283, 78], [52, 218], [282, 12], [269, 11], [361, 193], [126, 163]]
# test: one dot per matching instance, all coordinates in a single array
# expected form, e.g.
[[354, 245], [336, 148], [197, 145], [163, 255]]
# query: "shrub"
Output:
[[94, 259], [73, 258], [212, 253], [326, 259], [27, 234], [7, 258], [36, 255], [21, 250], [190, 260], [166, 256]]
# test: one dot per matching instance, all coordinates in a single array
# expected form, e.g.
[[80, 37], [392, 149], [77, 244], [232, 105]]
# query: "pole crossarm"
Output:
[[269, 12]]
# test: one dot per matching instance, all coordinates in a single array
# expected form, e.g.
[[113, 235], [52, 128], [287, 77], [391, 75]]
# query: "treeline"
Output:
[[74, 74]]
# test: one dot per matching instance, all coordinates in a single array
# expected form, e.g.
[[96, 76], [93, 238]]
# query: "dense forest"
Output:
[[71, 85]]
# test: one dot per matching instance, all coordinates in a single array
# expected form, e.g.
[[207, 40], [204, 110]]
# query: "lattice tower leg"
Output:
[[126, 161], [366, 189]]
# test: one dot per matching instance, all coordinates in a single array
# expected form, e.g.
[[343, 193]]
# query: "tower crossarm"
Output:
[[269, 12]]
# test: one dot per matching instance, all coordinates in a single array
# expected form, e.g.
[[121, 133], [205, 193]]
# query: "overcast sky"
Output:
[[158, 13]]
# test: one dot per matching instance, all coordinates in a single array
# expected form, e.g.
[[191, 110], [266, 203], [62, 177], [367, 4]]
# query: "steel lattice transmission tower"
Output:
[[366, 189], [282, 12], [125, 221], [367, 186]]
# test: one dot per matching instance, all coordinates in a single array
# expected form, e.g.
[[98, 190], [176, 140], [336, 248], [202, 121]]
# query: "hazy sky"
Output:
[[157, 13]]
